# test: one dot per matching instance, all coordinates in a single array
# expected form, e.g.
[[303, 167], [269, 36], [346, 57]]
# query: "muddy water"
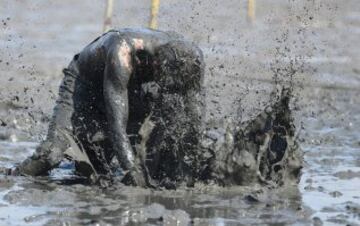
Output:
[[320, 38], [331, 181]]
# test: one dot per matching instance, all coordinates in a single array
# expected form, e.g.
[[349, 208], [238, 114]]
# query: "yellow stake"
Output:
[[251, 10], [155, 5], [108, 15]]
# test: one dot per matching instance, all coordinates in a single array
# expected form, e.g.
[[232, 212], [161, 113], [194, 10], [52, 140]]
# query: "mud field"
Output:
[[312, 45]]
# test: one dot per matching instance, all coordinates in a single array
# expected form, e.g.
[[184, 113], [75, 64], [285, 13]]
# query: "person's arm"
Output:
[[118, 70]]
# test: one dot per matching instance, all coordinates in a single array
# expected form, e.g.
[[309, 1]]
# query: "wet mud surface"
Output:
[[312, 44]]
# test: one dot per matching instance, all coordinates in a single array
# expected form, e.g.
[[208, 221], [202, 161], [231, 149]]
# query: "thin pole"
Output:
[[251, 10], [155, 5], [108, 15]]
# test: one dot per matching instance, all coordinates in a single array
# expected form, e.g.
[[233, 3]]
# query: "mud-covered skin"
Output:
[[109, 89]]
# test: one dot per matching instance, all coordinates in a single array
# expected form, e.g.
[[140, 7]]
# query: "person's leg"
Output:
[[61, 131], [51, 151]]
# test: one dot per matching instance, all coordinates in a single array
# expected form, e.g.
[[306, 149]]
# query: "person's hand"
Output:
[[134, 177], [5, 171], [9, 171], [104, 181]]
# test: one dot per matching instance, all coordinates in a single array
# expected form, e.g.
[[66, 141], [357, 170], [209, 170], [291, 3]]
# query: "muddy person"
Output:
[[134, 100]]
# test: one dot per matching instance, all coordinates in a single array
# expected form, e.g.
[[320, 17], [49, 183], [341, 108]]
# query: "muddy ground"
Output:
[[314, 44]]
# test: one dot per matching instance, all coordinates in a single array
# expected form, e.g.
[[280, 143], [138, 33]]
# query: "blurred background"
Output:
[[247, 44]]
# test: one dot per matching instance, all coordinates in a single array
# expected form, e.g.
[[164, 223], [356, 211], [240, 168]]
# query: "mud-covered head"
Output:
[[179, 66]]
